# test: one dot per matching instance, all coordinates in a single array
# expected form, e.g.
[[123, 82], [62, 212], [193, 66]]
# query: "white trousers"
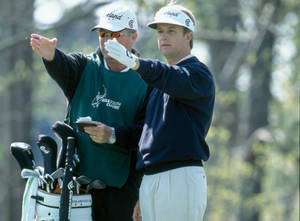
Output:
[[174, 195]]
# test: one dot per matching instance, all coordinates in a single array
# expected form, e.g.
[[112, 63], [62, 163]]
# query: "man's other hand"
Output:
[[137, 212], [120, 53], [99, 133]]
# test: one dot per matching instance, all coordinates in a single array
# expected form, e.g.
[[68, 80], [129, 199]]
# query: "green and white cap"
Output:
[[172, 15]]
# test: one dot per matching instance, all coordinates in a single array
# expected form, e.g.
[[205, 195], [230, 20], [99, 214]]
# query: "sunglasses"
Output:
[[105, 34]]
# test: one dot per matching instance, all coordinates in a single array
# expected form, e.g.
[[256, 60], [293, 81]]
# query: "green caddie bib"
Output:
[[112, 98]]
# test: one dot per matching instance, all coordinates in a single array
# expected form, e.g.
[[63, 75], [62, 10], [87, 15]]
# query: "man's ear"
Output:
[[189, 36], [134, 36]]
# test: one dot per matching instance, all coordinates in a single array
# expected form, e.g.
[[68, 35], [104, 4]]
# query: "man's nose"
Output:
[[105, 38], [163, 36]]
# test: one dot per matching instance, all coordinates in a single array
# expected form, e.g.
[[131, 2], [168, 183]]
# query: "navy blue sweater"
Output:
[[178, 114]]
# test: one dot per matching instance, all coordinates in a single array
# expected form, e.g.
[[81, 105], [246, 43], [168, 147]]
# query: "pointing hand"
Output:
[[43, 46]]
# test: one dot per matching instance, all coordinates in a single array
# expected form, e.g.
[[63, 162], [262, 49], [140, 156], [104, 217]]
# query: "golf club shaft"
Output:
[[67, 190]]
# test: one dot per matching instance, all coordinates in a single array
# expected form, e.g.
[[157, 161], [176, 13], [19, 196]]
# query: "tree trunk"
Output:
[[259, 100], [228, 18], [20, 97]]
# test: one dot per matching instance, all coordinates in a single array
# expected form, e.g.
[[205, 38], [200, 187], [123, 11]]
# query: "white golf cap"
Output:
[[172, 15], [117, 19]]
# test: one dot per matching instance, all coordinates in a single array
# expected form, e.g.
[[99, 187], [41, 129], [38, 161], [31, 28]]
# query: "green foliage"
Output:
[[223, 183]]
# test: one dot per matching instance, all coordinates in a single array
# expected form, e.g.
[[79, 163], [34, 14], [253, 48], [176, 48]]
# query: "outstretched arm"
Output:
[[65, 69], [180, 81]]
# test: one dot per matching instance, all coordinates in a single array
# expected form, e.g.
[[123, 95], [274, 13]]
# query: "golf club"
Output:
[[76, 185], [27, 173], [67, 190], [63, 131], [52, 178], [95, 184], [48, 149], [84, 181], [23, 154]]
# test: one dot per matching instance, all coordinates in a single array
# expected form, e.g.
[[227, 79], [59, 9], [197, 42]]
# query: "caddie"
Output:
[[110, 93]]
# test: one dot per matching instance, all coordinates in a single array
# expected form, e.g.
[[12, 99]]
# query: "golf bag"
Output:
[[47, 207], [41, 202]]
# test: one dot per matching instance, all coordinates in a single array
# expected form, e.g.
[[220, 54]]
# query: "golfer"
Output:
[[172, 147]]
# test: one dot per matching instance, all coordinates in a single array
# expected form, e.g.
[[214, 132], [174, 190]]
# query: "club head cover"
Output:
[[48, 148], [63, 131], [23, 154]]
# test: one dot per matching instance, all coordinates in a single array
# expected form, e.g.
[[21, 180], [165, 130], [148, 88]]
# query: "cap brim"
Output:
[[94, 28], [155, 23], [107, 27]]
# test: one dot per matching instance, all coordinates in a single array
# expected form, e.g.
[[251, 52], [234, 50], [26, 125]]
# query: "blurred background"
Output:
[[252, 48]]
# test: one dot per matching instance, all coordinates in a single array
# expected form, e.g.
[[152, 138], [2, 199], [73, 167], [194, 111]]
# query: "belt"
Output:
[[161, 167]]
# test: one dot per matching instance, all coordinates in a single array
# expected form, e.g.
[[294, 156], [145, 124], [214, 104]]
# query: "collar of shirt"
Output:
[[185, 58], [106, 67]]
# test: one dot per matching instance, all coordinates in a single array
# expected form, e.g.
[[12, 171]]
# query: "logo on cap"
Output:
[[187, 22], [128, 54], [130, 23], [114, 16], [169, 13]]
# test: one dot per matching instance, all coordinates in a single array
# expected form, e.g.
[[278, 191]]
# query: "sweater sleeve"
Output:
[[66, 70], [188, 80]]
